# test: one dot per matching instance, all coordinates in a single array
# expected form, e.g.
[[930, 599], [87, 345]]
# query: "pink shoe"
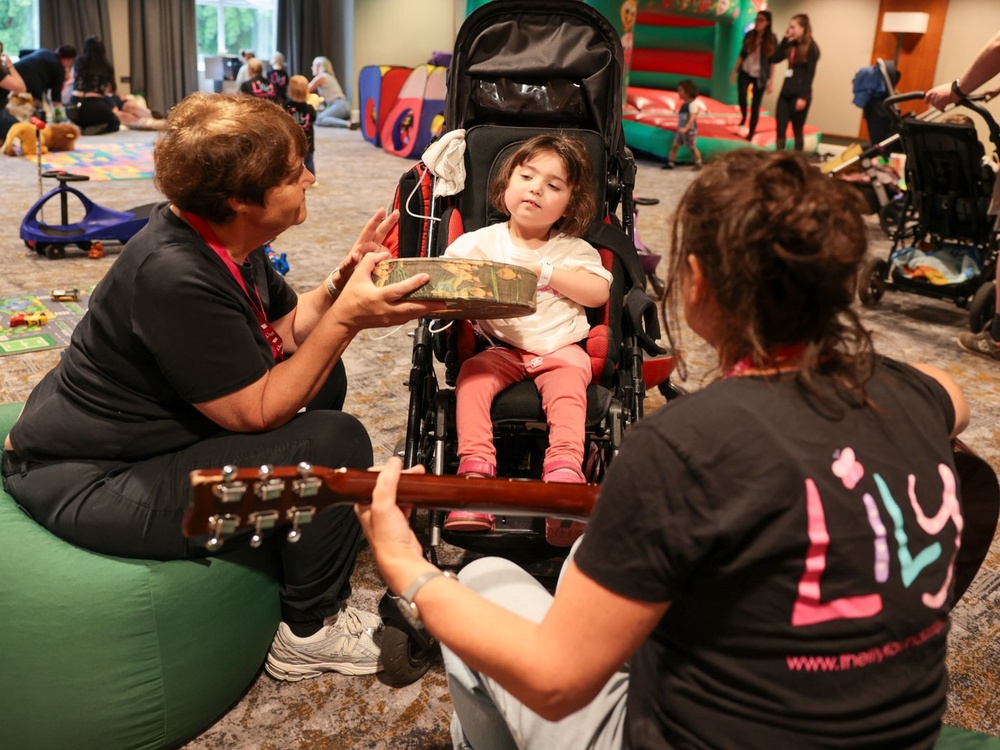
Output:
[[560, 532], [462, 520]]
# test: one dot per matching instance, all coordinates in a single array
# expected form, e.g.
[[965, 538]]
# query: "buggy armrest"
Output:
[[641, 311]]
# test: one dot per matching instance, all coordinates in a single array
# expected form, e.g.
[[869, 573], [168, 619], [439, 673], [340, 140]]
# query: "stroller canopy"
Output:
[[556, 62]]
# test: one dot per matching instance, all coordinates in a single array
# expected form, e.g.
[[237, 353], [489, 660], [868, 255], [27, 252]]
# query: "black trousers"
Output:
[[134, 509], [743, 82], [785, 113], [93, 115]]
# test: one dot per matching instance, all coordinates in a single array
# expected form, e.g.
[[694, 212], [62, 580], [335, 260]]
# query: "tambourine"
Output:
[[477, 289]]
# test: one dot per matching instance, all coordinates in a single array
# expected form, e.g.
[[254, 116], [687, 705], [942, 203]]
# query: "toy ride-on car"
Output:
[[99, 224]]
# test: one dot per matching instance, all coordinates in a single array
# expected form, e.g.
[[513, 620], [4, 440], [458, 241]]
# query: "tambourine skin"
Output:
[[477, 289]]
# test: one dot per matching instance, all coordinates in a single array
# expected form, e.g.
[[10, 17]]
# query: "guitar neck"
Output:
[[242, 497]]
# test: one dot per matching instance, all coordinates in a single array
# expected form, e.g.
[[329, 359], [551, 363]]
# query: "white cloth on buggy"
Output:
[[948, 264], [445, 159]]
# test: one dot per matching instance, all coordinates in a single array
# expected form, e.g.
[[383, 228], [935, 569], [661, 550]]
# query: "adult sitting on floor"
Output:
[[183, 362], [771, 557], [45, 72], [10, 82]]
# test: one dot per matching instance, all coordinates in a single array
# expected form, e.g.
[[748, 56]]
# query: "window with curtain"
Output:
[[227, 26], [19, 26]]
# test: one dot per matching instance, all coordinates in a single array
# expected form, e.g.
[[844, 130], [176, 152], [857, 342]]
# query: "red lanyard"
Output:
[[212, 240], [780, 354]]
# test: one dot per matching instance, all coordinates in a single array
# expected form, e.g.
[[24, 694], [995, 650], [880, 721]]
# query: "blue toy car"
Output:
[[99, 224]]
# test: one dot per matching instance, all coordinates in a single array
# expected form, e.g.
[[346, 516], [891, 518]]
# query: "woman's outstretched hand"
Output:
[[369, 241], [397, 550]]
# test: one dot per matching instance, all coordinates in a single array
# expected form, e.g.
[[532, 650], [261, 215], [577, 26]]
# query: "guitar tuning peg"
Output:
[[265, 472], [299, 516], [221, 525], [305, 469], [262, 520], [229, 473], [256, 540]]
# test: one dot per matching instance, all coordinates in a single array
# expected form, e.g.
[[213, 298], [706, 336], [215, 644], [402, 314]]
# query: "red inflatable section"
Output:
[[680, 62]]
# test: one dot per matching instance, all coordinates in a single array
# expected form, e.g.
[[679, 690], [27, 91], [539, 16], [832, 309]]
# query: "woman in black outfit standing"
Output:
[[93, 80], [754, 68], [796, 92]]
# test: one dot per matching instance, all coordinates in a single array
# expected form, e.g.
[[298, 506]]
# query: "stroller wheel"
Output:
[[52, 252], [871, 282], [983, 306], [404, 661]]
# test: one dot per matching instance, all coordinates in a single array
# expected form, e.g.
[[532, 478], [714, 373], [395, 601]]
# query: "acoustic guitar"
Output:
[[228, 500]]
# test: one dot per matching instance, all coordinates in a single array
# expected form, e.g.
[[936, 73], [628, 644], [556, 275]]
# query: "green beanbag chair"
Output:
[[105, 652]]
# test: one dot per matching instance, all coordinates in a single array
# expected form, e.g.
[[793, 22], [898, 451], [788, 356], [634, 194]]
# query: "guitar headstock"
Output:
[[227, 500]]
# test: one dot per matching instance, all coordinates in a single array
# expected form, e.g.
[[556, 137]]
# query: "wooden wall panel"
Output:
[[919, 55]]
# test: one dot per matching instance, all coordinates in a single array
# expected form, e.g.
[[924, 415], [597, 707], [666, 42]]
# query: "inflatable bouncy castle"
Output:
[[666, 41]]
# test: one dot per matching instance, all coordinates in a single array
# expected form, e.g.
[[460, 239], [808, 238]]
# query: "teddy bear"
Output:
[[56, 137]]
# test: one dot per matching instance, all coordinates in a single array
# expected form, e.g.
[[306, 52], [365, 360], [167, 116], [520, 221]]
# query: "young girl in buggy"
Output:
[[544, 188]]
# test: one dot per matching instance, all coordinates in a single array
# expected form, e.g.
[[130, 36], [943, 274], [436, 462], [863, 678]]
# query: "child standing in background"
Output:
[[545, 189], [687, 123], [278, 77], [258, 85], [304, 114]]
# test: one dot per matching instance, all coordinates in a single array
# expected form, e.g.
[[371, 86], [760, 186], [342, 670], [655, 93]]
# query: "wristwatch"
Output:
[[957, 91], [408, 607]]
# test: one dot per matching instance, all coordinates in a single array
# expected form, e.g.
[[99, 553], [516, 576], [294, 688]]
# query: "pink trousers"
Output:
[[561, 377]]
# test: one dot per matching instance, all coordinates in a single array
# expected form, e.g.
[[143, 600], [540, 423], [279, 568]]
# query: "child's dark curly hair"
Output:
[[780, 245], [579, 176]]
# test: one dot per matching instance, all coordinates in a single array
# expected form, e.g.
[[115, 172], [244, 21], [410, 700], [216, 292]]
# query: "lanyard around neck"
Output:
[[212, 240]]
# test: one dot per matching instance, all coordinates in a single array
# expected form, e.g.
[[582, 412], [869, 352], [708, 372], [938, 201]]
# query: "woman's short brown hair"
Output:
[[579, 177], [214, 147]]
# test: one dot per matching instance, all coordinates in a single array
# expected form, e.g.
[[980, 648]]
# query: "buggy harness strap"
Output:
[[614, 239], [212, 240]]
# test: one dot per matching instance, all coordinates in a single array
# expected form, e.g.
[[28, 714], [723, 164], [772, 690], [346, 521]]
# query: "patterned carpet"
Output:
[[360, 712]]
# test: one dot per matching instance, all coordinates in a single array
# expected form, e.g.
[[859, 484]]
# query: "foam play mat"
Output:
[[101, 162], [60, 318]]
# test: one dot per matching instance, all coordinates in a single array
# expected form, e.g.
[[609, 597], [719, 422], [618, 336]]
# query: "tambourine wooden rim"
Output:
[[477, 289]]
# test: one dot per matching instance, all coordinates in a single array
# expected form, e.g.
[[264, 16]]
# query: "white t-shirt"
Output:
[[557, 321]]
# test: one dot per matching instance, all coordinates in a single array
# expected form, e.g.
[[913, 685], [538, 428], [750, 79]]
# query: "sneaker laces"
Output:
[[356, 621]]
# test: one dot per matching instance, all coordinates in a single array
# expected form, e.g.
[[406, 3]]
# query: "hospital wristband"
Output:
[[545, 273]]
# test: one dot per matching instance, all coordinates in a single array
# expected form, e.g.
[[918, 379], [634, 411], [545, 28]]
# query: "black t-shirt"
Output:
[[809, 599], [305, 116], [278, 79], [167, 327], [42, 71], [259, 87], [801, 71]]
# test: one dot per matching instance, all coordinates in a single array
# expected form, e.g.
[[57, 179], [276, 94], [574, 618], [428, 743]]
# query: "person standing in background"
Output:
[[796, 92], [305, 115], [754, 68], [243, 74], [45, 72], [985, 67], [278, 77]]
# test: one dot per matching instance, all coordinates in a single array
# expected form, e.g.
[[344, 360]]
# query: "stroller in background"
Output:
[[521, 68], [944, 242]]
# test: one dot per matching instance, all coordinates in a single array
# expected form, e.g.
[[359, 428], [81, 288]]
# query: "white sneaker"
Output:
[[347, 646]]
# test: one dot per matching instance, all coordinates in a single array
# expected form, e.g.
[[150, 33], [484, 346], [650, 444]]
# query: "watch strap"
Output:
[[406, 604], [957, 91]]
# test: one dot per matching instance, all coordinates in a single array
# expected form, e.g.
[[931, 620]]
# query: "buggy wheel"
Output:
[[898, 220], [52, 252], [871, 282], [403, 659], [983, 306]]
